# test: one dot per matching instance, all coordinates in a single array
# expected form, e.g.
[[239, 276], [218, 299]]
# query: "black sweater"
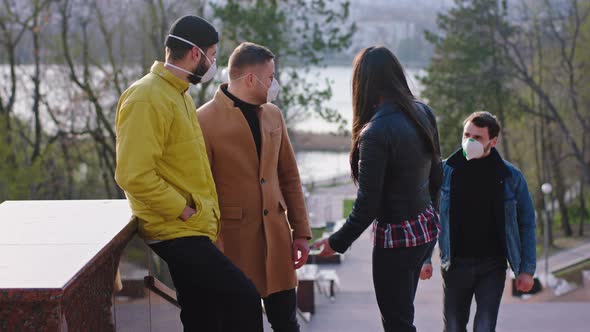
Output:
[[250, 113], [476, 222]]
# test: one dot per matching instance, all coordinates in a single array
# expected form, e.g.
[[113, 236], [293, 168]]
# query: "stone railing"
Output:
[[77, 266]]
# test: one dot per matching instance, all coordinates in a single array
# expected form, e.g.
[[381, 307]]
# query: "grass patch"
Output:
[[574, 273], [541, 251], [348, 204]]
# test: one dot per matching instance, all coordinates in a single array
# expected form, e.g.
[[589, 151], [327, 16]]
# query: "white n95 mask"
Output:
[[472, 149]]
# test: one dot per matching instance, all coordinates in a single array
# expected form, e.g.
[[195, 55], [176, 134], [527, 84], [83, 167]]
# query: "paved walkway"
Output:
[[355, 308]]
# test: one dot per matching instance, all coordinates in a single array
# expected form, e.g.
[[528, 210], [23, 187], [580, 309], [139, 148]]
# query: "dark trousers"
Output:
[[482, 277], [281, 311], [395, 277], [213, 293]]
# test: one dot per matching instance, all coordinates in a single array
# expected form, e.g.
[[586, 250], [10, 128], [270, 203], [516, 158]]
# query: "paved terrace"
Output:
[[355, 308]]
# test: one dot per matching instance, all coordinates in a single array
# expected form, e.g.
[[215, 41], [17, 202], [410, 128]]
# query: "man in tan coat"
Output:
[[264, 226]]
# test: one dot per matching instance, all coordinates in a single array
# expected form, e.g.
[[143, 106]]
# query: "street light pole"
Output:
[[546, 188]]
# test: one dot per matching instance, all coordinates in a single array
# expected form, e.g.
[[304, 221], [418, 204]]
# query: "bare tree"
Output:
[[15, 20], [564, 28]]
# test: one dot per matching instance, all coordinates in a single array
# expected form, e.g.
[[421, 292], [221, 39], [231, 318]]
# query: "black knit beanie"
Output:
[[193, 29]]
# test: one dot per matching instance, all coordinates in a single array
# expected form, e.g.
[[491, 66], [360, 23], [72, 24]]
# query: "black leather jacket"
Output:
[[398, 175]]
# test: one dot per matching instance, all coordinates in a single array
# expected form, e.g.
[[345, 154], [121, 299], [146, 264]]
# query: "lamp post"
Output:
[[546, 188]]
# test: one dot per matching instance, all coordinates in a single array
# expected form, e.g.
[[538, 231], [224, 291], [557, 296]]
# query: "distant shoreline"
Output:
[[308, 141]]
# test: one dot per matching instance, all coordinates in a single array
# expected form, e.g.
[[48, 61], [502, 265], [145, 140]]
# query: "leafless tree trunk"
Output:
[[35, 29], [583, 211], [499, 98], [541, 122], [559, 185], [582, 197]]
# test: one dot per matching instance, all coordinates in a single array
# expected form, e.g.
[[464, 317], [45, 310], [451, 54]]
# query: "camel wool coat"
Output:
[[261, 201]]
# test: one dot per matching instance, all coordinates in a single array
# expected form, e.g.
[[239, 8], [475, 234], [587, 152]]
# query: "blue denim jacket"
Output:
[[519, 219]]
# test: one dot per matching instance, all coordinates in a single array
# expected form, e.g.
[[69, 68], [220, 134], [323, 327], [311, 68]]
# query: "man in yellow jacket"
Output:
[[163, 167]]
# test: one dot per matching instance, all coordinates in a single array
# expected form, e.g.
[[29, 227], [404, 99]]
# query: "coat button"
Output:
[[265, 212], [262, 181]]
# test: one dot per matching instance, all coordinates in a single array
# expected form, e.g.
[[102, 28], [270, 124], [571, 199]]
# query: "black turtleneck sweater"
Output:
[[476, 209], [250, 113]]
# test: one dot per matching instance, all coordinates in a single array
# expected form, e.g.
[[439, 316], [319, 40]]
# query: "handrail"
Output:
[[161, 289]]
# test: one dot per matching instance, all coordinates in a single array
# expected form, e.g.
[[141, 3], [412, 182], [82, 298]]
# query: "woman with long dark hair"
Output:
[[395, 161]]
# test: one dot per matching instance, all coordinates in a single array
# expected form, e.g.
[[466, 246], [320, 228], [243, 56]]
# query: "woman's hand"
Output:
[[323, 244]]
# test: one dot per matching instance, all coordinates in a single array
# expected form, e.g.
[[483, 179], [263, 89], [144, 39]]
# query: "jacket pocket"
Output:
[[195, 202]]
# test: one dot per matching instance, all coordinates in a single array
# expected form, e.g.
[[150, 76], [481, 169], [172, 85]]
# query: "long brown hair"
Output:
[[377, 76]]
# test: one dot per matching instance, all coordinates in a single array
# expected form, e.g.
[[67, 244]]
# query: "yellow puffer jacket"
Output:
[[162, 161]]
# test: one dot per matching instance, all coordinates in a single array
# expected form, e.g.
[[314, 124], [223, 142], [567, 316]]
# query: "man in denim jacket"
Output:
[[487, 217]]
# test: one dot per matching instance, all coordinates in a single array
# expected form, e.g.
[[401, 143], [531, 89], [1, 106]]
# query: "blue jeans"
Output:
[[483, 278]]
